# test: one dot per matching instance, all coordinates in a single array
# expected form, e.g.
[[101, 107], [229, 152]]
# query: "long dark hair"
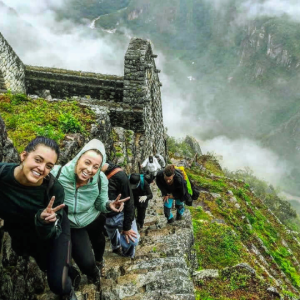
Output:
[[41, 140]]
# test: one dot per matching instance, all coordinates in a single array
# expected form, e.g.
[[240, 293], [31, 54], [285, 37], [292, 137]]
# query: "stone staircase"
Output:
[[160, 269]]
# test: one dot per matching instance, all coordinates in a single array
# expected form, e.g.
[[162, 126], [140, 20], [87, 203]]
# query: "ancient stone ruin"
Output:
[[128, 107], [129, 121]]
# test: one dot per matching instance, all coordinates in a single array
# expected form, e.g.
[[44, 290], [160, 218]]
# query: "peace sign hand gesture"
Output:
[[118, 205], [48, 215]]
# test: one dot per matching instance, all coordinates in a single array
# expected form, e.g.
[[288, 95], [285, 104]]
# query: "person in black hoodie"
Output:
[[121, 227], [31, 205], [173, 187], [142, 194]]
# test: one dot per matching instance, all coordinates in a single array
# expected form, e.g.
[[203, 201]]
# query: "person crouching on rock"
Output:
[[86, 194], [141, 194], [173, 188], [31, 204], [121, 227]]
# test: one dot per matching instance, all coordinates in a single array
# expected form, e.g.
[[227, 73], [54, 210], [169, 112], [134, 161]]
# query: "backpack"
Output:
[[113, 172], [142, 181], [188, 199], [191, 187], [196, 192]]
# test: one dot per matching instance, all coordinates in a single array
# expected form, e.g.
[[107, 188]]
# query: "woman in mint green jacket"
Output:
[[86, 195]]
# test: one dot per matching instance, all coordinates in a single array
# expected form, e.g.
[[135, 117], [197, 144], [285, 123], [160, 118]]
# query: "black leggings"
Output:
[[54, 256], [84, 241], [140, 215]]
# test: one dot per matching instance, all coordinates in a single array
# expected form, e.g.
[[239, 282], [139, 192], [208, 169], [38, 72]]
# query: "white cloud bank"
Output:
[[272, 8], [251, 9], [240, 153], [39, 39]]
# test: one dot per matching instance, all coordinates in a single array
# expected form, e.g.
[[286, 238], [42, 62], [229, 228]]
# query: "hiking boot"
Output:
[[71, 296], [178, 217], [101, 266], [139, 226], [118, 251], [75, 277], [170, 221], [95, 279]]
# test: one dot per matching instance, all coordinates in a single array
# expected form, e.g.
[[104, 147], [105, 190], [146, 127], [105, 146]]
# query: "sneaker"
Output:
[[139, 226], [118, 251], [178, 217], [101, 266], [170, 221]]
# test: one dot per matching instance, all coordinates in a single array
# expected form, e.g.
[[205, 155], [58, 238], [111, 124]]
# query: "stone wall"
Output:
[[7, 151], [65, 83], [12, 69], [132, 101], [142, 89], [162, 255]]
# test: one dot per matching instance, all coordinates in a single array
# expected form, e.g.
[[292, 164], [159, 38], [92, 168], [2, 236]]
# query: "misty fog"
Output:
[[39, 38]]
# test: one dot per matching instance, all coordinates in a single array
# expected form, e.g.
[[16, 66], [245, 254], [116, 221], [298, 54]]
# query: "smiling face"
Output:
[[36, 165], [87, 166]]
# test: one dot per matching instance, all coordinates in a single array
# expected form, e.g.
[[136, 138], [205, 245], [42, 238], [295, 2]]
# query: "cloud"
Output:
[[272, 8], [240, 153], [251, 9], [39, 39]]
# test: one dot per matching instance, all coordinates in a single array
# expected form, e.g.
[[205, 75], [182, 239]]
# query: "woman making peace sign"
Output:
[[86, 194], [38, 225]]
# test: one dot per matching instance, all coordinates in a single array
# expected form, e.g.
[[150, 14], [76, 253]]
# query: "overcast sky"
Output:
[[39, 39]]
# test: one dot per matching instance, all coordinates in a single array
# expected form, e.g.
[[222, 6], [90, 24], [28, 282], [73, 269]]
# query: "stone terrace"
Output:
[[160, 269], [66, 83]]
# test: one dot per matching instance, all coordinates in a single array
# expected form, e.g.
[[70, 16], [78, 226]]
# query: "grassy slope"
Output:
[[26, 118], [220, 244], [221, 239]]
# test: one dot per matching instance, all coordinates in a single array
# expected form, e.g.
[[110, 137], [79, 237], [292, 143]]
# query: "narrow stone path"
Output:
[[160, 269]]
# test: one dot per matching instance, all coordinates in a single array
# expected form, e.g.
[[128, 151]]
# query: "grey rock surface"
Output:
[[193, 143]]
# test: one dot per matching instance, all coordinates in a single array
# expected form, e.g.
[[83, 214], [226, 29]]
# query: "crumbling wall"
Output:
[[11, 68], [66, 83]]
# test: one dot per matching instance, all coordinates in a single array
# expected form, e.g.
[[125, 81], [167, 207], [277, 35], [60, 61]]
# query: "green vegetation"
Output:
[[217, 246], [241, 74], [180, 147], [282, 208], [91, 9], [223, 236], [26, 118]]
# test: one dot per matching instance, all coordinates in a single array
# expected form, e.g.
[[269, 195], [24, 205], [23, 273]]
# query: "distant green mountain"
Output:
[[87, 9], [245, 71]]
